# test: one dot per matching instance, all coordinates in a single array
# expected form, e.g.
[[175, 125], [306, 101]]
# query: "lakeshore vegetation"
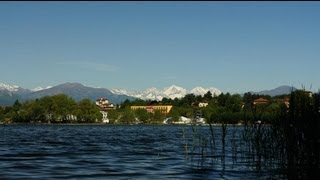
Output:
[[226, 108]]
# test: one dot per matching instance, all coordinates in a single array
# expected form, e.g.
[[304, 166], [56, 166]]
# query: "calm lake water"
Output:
[[121, 152]]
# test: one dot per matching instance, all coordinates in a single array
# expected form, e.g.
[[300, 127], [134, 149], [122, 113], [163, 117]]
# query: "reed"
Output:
[[289, 145]]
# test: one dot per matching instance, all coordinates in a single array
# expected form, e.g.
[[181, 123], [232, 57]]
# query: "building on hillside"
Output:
[[164, 109], [260, 101], [104, 106]]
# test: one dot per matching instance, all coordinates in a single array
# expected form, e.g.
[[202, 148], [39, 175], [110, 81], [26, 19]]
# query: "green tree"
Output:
[[233, 103], [15, 111], [127, 116], [157, 117], [48, 103], [166, 100], [63, 106], [207, 96], [174, 113], [88, 112], [2, 115], [17, 105], [222, 99], [125, 104], [187, 100], [138, 102], [209, 112], [113, 116], [37, 112], [142, 115]]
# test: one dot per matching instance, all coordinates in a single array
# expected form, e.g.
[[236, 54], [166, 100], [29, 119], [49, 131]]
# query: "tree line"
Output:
[[52, 109], [224, 108]]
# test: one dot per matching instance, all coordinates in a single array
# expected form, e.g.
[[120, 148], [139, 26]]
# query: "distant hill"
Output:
[[78, 92], [8, 94], [7, 98], [277, 91]]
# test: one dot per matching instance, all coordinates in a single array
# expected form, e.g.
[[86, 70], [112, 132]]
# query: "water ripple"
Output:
[[114, 152]]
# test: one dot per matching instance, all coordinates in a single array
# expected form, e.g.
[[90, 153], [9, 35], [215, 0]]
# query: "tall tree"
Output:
[[127, 116], [88, 112], [142, 115], [207, 96], [157, 117]]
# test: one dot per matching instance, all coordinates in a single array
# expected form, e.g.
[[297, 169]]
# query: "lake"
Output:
[[125, 152]]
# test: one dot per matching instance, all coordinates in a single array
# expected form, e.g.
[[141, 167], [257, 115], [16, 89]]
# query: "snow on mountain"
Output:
[[152, 90], [119, 91], [150, 93], [199, 91], [40, 88], [168, 92], [174, 92], [9, 87], [214, 91]]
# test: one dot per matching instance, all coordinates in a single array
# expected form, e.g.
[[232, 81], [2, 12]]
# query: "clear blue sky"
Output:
[[233, 46]]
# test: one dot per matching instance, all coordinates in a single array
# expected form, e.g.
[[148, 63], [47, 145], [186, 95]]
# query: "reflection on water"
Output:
[[98, 151]]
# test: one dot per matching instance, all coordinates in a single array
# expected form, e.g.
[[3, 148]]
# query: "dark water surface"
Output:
[[118, 152]]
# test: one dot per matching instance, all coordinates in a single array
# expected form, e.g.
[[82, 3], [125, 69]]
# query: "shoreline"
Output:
[[105, 124]]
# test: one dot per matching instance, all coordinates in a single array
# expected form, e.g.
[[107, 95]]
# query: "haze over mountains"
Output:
[[10, 93]]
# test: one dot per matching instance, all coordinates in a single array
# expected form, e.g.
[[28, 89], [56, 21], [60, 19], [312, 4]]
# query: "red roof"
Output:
[[260, 100]]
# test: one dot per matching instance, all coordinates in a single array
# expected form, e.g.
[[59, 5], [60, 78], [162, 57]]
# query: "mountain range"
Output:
[[168, 92], [277, 91], [10, 93]]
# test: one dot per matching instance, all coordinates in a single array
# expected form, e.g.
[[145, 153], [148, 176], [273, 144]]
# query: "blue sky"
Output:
[[233, 46]]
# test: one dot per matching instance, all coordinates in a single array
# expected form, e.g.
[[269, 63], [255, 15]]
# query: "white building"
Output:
[[104, 116], [104, 105], [203, 104]]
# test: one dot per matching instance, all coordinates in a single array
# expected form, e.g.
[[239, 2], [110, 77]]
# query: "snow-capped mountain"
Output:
[[10, 93], [9, 87], [40, 88], [199, 91], [174, 92], [168, 92], [150, 93]]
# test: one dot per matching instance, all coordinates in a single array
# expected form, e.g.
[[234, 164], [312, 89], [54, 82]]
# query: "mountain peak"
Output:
[[70, 85], [174, 91], [9, 87], [199, 90], [278, 91]]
